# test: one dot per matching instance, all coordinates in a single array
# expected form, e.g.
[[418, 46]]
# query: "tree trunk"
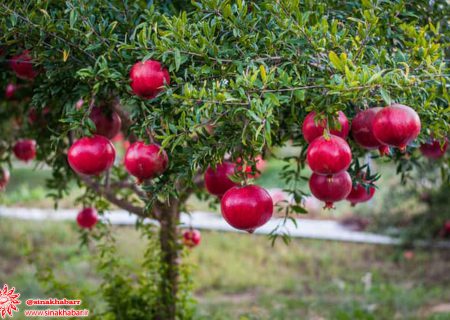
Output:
[[169, 261]]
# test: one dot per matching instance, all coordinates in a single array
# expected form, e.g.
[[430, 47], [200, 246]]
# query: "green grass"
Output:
[[239, 276]]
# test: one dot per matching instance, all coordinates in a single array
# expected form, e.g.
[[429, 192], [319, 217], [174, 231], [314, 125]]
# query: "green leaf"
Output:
[[335, 61]]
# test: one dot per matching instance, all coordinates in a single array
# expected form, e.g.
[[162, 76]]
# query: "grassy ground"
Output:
[[242, 277]]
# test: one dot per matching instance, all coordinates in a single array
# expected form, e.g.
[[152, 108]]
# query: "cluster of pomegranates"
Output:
[[245, 207], [329, 155]]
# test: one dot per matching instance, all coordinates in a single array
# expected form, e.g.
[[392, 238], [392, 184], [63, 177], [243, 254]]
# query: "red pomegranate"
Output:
[[260, 164], [360, 194], [312, 129], [37, 117], [217, 180], [25, 149], [433, 149], [332, 188], [329, 155], [107, 122], [22, 65], [87, 218], [362, 131], [4, 178], [191, 238], [91, 155], [247, 208], [396, 125], [148, 78], [447, 227], [10, 91], [145, 161]]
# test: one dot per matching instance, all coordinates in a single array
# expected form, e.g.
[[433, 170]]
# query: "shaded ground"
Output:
[[243, 277]]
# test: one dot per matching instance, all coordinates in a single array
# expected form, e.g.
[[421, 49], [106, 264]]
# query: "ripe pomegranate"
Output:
[[91, 155], [396, 125], [433, 149], [107, 122], [312, 129], [25, 149], [362, 131], [217, 180], [87, 218], [191, 238], [4, 178], [145, 161], [22, 65], [332, 188], [10, 91], [247, 208], [359, 194], [148, 78], [328, 155]]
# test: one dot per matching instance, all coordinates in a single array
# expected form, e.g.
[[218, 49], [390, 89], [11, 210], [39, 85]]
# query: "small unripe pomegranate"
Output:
[[330, 189], [191, 238], [145, 161], [247, 208], [22, 65], [360, 194], [87, 218], [396, 125], [25, 149], [362, 131], [4, 178], [10, 91], [217, 181], [433, 149], [329, 155], [91, 155], [312, 129], [107, 122], [148, 78]]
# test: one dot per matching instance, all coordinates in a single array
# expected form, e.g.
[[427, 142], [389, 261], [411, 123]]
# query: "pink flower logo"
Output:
[[8, 301]]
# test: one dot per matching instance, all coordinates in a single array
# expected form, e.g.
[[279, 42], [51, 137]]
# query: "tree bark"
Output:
[[169, 261]]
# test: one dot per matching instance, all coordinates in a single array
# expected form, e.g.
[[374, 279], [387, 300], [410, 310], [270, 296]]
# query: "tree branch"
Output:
[[111, 197]]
